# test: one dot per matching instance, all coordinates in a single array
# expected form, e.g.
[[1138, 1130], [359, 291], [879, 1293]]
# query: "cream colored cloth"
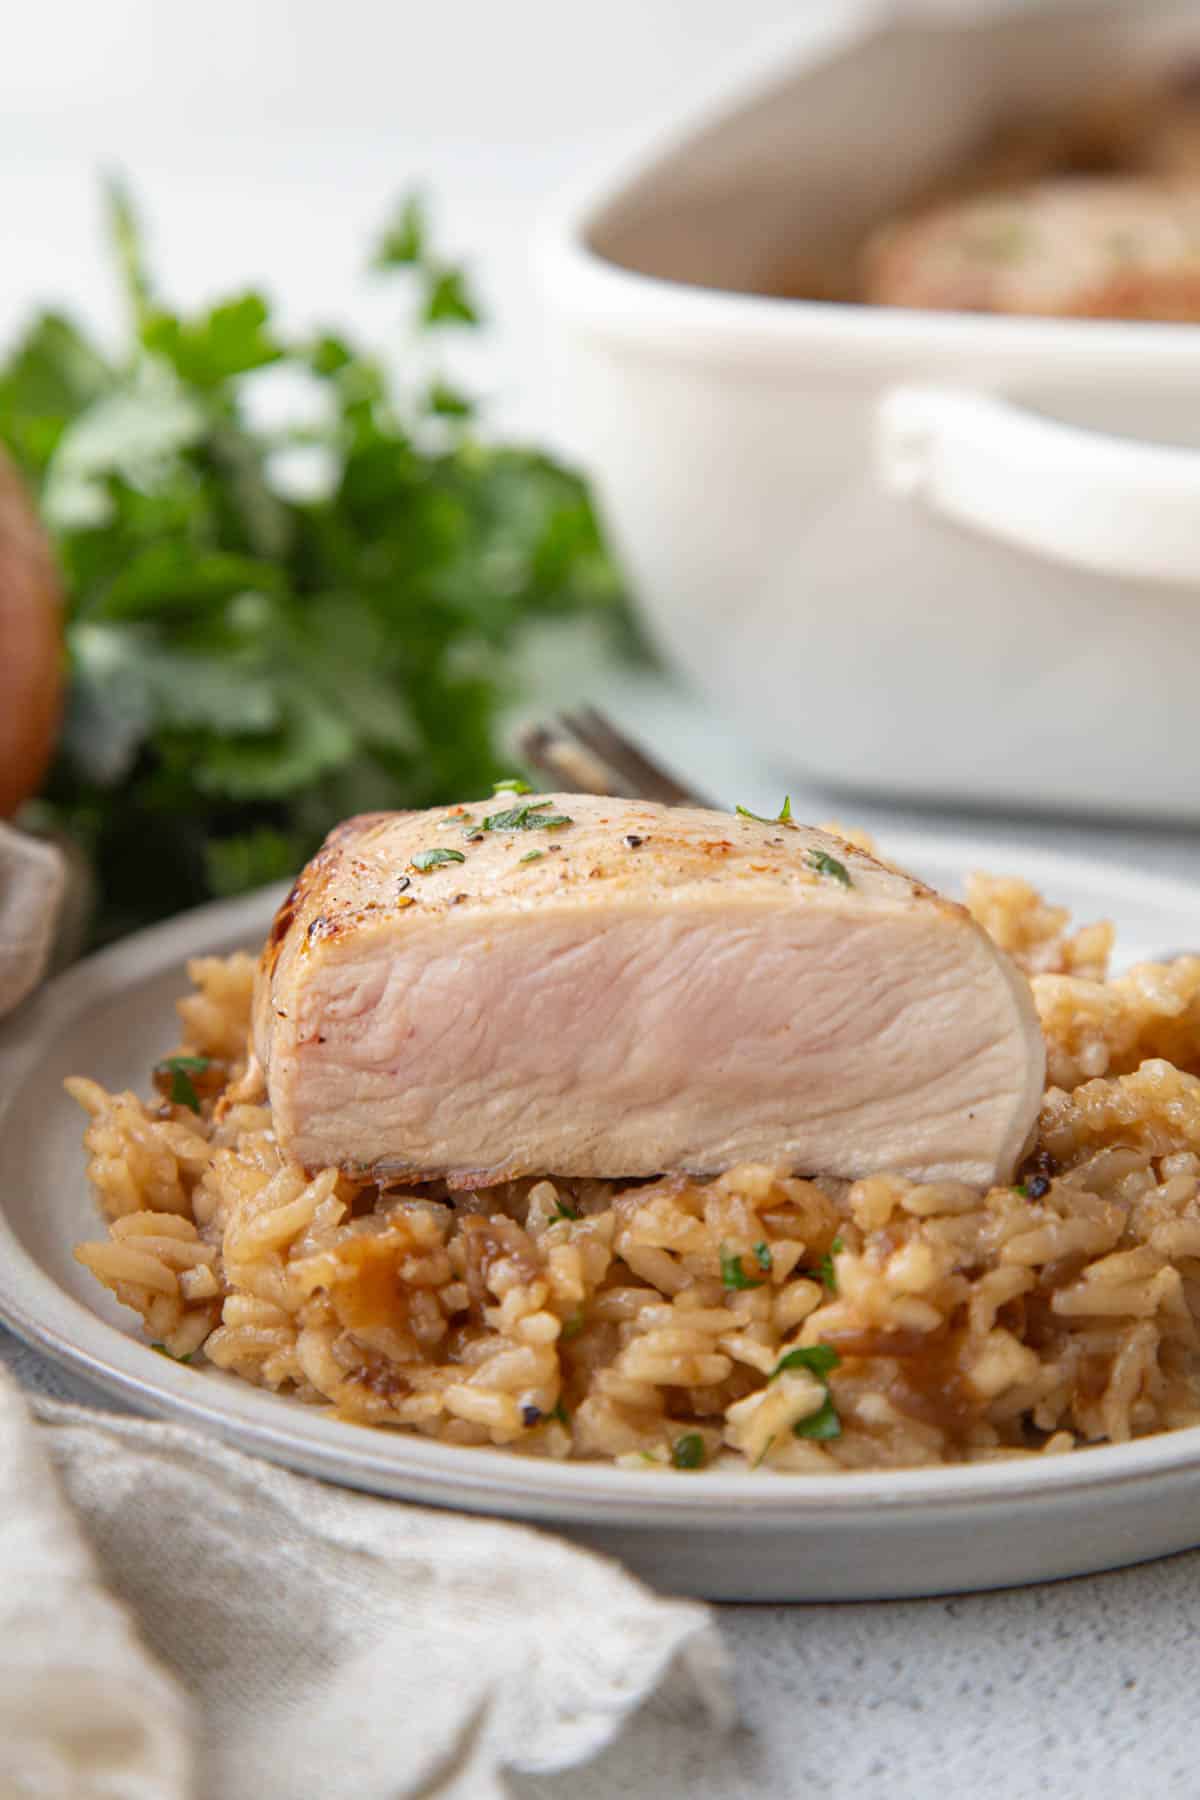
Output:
[[33, 877], [181, 1622]]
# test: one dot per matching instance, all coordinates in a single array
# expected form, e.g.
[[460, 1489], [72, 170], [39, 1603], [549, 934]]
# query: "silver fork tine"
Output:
[[644, 778], [563, 763], [583, 752]]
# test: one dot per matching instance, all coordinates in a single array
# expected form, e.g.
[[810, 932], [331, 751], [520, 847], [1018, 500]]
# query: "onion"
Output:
[[30, 646]]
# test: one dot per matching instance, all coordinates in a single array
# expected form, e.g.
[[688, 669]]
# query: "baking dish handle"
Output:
[[1109, 504]]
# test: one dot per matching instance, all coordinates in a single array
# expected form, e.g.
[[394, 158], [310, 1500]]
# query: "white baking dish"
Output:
[[946, 556]]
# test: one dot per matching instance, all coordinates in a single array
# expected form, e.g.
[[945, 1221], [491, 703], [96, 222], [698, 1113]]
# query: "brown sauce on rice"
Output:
[[807, 1325]]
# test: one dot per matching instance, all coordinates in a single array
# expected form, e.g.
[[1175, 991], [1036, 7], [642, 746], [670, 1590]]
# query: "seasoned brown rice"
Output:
[[657, 1323]]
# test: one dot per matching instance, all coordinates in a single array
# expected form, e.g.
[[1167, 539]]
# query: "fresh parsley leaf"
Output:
[[180, 1069], [532, 856], [251, 859], [404, 239], [170, 1354], [447, 402], [448, 300], [512, 785], [232, 339], [126, 238], [53, 375], [688, 1451], [823, 1424], [563, 1211], [270, 627], [560, 1413], [733, 1275], [433, 859], [573, 1326], [762, 1257], [825, 864], [818, 1359], [157, 581], [782, 817]]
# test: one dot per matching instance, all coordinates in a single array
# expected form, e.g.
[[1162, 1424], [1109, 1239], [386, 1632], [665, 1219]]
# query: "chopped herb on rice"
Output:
[[1081, 1254]]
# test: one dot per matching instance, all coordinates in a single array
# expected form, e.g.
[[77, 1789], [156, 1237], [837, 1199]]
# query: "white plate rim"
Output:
[[34, 1306]]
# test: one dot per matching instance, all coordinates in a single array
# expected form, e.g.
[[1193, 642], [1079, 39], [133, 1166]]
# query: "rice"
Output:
[[754, 1318]]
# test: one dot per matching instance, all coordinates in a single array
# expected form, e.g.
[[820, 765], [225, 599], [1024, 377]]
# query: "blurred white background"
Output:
[[265, 139]]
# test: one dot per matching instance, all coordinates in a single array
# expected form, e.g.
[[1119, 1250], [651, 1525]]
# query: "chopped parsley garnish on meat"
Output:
[[733, 1275], [433, 859], [762, 1257], [688, 1452], [532, 856], [820, 1360], [533, 816], [825, 1267], [180, 1069], [562, 1211], [829, 865], [514, 785], [782, 817]]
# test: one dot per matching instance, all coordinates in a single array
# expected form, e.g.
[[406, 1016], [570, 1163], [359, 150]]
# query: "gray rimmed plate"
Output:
[[726, 1535]]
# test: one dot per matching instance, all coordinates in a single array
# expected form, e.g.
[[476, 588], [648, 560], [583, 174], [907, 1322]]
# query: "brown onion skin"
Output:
[[31, 655]]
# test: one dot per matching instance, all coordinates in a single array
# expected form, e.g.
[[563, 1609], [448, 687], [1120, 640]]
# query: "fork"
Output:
[[583, 752]]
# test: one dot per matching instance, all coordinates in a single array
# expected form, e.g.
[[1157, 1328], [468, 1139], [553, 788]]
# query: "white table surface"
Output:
[[266, 141]]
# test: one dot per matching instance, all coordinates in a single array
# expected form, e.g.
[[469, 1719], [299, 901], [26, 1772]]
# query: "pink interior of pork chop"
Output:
[[657, 1038]]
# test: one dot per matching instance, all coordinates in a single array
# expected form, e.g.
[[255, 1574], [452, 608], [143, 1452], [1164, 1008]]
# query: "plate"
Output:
[[740, 1534]]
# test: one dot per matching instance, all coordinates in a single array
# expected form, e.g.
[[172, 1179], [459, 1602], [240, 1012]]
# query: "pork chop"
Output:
[[582, 986], [1104, 248]]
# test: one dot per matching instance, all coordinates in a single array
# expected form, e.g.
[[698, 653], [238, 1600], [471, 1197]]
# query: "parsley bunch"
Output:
[[251, 659]]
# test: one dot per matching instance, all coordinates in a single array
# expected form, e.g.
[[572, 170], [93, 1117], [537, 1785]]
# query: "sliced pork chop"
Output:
[[636, 989]]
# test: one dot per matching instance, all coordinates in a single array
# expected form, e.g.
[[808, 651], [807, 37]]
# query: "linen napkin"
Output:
[[33, 879], [181, 1622]]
